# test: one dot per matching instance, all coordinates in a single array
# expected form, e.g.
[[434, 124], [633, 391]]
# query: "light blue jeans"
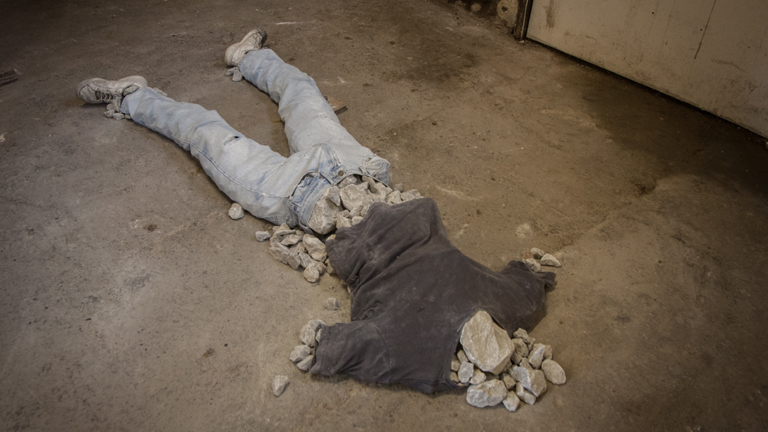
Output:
[[266, 184]]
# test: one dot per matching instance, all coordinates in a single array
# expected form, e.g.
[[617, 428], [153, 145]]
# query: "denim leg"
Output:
[[308, 118], [262, 181]]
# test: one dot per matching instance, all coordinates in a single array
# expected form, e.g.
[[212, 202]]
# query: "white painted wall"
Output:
[[710, 53]]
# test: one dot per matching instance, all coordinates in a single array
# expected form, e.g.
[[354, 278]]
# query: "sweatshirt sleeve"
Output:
[[356, 349]]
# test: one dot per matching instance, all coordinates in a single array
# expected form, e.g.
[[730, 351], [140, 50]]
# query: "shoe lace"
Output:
[[104, 96]]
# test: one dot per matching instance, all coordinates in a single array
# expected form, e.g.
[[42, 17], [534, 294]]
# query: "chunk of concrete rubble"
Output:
[[307, 333], [454, 377], [508, 381], [299, 353], [533, 264], [511, 402], [548, 352], [537, 253], [357, 219], [279, 383], [521, 350], [462, 356], [305, 364], [279, 252], [532, 380], [455, 364], [393, 198], [536, 356], [323, 218], [529, 344], [343, 221], [331, 304], [333, 195], [553, 372], [522, 334], [525, 364], [379, 191], [298, 248], [313, 271], [523, 395], [550, 260], [398, 187], [477, 377], [349, 181], [355, 197], [262, 236], [315, 248], [466, 371], [410, 195], [292, 239], [488, 393], [236, 211], [277, 229], [486, 344]]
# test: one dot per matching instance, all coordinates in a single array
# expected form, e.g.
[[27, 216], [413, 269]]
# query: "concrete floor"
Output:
[[130, 301]]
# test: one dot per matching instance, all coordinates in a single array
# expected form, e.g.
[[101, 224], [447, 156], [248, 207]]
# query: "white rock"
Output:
[[477, 377], [315, 248], [522, 334], [521, 349], [511, 402], [537, 253], [311, 273], [536, 356], [292, 239], [307, 333], [280, 253], [410, 195], [342, 221], [305, 259], [530, 344], [262, 235], [454, 377], [525, 364], [466, 372], [379, 191], [357, 219], [462, 356], [349, 181], [548, 352], [331, 304], [532, 380], [237, 76], [399, 187], [277, 229], [524, 395], [508, 381], [279, 384], [236, 211], [550, 260], [533, 265], [305, 364], [118, 116], [355, 198], [486, 344], [553, 371], [393, 198], [488, 393], [455, 364], [323, 218], [299, 353], [332, 194]]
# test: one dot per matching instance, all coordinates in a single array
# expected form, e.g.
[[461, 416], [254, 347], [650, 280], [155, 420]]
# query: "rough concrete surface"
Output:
[[131, 301]]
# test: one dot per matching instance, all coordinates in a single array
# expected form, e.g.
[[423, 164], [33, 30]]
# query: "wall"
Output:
[[712, 54]]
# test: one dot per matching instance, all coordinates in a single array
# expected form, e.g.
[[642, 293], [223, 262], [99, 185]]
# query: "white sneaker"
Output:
[[252, 41], [97, 90]]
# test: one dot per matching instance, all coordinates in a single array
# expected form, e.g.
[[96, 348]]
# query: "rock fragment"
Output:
[[536, 356], [511, 402], [462, 356], [521, 349], [299, 353], [323, 218], [343, 221], [533, 264], [357, 219], [454, 377], [331, 304], [393, 198], [315, 248], [553, 372], [279, 383], [477, 377], [547, 352], [455, 364], [410, 195], [277, 229], [550, 260], [537, 253], [524, 395], [313, 271], [305, 364], [307, 334], [348, 181], [532, 380], [488, 393], [486, 344], [522, 334], [236, 211], [292, 239], [466, 372], [355, 198], [262, 236], [508, 381], [280, 253]]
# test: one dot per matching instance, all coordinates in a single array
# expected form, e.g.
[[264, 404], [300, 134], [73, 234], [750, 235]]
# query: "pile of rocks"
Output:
[[541, 258], [341, 206], [303, 354], [498, 369]]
